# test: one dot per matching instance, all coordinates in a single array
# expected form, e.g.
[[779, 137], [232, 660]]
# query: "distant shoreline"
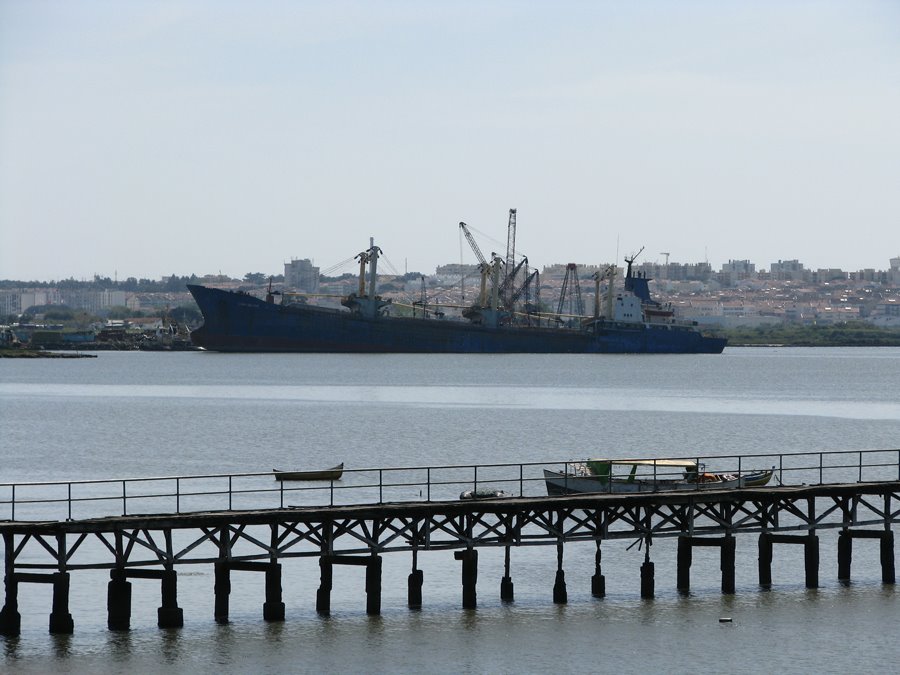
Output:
[[39, 354]]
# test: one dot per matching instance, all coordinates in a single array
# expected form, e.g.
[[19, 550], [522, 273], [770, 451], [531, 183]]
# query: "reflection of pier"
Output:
[[862, 503]]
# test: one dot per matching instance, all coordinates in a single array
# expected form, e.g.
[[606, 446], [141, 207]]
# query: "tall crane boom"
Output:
[[471, 240], [511, 242]]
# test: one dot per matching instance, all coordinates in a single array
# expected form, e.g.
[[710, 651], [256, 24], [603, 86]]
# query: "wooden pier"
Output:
[[156, 546]]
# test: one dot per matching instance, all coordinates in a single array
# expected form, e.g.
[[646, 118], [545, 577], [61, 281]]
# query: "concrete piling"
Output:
[[273, 607], [414, 587], [118, 601], [598, 581], [845, 555], [728, 555], [886, 552], [507, 588], [765, 559], [10, 619], [323, 594], [888, 575], [683, 564], [60, 618], [373, 586], [469, 558], [811, 560], [169, 615], [648, 582], [222, 590], [560, 594]]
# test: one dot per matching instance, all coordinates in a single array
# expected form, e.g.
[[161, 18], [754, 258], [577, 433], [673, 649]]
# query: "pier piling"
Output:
[[469, 558], [886, 551], [273, 607], [60, 618], [810, 544], [507, 588], [598, 581], [169, 615], [118, 601], [765, 559], [560, 594], [414, 587], [10, 619], [845, 555], [729, 550], [222, 590], [323, 594], [373, 585], [648, 582], [683, 564]]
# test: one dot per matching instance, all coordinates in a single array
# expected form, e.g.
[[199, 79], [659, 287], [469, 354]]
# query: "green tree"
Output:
[[257, 278]]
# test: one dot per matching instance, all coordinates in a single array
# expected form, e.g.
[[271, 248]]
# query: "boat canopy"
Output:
[[648, 462], [603, 468]]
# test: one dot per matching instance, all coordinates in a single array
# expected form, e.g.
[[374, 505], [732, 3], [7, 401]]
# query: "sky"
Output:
[[150, 138]]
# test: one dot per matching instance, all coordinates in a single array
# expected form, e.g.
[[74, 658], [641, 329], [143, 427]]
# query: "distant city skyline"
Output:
[[159, 138]]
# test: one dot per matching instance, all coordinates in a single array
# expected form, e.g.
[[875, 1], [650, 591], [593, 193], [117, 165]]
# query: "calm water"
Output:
[[143, 414]]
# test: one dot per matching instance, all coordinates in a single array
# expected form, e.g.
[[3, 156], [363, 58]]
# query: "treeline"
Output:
[[850, 334]]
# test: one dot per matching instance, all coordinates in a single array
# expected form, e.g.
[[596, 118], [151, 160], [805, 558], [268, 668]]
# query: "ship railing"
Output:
[[55, 501]]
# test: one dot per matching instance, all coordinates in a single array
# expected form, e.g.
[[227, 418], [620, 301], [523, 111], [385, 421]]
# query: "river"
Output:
[[136, 414]]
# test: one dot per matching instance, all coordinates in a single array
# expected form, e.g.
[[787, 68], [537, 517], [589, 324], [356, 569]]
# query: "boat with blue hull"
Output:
[[235, 321]]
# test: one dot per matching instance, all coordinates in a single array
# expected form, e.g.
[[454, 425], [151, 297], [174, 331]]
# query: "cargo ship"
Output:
[[633, 322]]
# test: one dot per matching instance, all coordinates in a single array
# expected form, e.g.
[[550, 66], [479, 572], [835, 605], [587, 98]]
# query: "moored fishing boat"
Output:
[[334, 473], [623, 476]]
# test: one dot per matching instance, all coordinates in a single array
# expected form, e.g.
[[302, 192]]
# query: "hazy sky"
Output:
[[149, 138]]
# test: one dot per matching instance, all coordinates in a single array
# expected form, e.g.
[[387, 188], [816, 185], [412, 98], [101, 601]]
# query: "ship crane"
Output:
[[609, 273], [483, 265], [633, 258], [507, 286], [511, 268], [574, 295], [525, 288], [423, 300], [473, 244]]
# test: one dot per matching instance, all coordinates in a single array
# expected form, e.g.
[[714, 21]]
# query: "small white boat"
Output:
[[645, 475]]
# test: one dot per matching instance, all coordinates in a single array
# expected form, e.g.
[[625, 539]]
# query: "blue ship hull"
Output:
[[237, 322]]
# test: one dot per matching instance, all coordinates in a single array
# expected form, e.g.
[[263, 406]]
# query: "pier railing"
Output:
[[84, 499]]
